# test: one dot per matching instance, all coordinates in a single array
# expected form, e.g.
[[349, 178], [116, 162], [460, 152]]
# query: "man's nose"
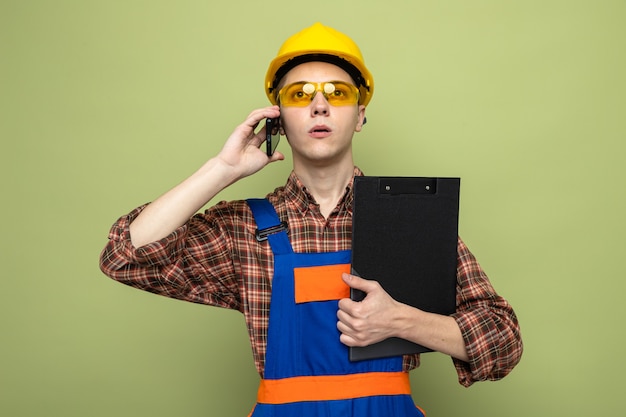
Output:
[[319, 106]]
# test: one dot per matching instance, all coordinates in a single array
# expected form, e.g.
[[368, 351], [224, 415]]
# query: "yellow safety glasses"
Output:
[[300, 94]]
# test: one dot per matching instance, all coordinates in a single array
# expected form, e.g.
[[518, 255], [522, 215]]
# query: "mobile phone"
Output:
[[272, 135]]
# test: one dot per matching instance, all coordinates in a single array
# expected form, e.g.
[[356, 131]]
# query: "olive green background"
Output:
[[106, 104]]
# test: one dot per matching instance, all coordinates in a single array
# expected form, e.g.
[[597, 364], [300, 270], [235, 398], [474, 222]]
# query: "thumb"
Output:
[[277, 156], [358, 283]]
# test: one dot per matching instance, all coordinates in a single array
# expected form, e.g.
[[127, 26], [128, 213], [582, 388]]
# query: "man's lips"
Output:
[[320, 131]]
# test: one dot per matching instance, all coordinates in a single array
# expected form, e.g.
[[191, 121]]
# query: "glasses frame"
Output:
[[327, 88]]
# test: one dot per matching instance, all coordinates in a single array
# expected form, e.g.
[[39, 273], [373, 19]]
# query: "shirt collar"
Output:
[[303, 201]]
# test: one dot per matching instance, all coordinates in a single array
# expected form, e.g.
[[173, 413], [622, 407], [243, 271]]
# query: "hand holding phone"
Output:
[[272, 135]]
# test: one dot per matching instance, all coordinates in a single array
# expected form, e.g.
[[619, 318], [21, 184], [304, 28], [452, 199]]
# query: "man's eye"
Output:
[[341, 92]]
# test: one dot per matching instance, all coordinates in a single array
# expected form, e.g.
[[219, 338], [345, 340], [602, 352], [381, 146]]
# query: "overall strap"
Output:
[[269, 226]]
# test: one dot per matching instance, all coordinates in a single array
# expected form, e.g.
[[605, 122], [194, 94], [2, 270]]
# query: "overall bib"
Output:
[[307, 370]]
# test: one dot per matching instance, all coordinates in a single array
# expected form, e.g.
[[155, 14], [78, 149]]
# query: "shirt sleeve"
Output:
[[193, 263], [488, 324]]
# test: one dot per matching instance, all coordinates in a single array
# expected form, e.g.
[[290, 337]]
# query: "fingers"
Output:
[[349, 329], [362, 323], [256, 116], [354, 330], [248, 128], [244, 134], [352, 315]]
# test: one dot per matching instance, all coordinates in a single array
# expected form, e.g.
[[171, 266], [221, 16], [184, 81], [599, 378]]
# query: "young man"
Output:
[[320, 87]]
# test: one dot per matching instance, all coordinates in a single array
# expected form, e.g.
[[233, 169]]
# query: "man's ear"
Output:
[[280, 125], [360, 119]]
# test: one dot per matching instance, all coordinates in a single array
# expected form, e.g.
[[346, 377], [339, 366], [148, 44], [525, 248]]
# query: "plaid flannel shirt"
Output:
[[214, 259]]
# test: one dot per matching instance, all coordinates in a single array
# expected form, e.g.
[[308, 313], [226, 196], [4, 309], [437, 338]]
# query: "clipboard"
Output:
[[404, 235]]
